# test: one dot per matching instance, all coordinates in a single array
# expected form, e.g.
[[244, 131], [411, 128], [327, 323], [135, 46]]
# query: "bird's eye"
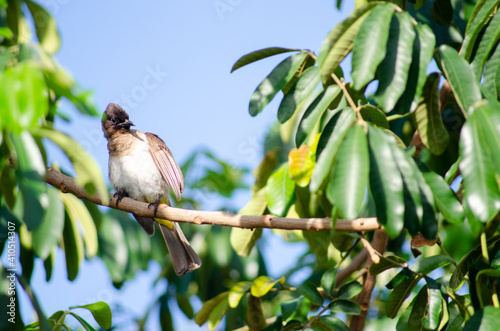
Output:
[[114, 120]]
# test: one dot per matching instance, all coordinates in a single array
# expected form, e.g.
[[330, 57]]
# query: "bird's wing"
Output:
[[165, 162]]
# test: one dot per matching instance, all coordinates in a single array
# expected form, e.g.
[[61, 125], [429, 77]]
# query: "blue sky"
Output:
[[168, 64]]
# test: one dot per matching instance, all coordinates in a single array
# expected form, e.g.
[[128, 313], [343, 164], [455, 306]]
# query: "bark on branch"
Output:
[[68, 185]]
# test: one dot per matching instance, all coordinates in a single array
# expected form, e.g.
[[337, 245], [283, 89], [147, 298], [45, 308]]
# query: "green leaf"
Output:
[[349, 177], [112, 247], [344, 306], [428, 264], [47, 235], [83, 322], [23, 97], [445, 198], [295, 309], [73, 246], [217, 314], [298, 93], [334, 323], [463, 267], [489, 122], [485, 319], [275, 81], [481, 191], [101, 312], [30, 173], [349, 290], [45, 26], [393, 71], [89, 175], [280, 191], [487, 43], [386, 183], [478, 19], [265, 169], [308, 290], [399, 294], [328, 145], [374, 115], [370, 45], [314, 112], [259, 55], [340, 41], [185, 305], [204, 313], [426, 41], [461, 78], [491, 76], [427, 117], [236, 293], [418, 310], [78, 212], [328, 281], [387, 262], [263, 284], [434, 307], [243, 240]]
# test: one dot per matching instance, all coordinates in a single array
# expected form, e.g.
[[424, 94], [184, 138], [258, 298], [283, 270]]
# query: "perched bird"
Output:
[[142, 167]]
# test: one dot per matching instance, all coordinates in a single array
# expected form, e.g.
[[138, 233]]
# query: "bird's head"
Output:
[[115, 119]]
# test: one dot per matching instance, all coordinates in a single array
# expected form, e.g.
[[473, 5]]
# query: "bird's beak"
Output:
[[127, 123]]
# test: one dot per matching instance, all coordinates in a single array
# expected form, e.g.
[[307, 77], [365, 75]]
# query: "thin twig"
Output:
[[374, 255], [68, 185]]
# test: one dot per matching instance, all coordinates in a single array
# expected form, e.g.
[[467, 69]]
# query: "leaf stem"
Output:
[[397, 116], [484, 247]]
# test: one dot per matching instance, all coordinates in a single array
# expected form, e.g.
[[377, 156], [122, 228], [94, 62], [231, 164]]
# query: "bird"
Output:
[[142, 167]]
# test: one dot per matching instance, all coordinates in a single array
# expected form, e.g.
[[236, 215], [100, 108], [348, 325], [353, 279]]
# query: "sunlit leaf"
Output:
[[275, 81], [280, 191], [349, 290], [393, 70], [23, 97], [328, 145], [487, 43], [263, 284], [370, 45], [88, 173], [349, 177], [45, 26], [478, 19], [298, 93], [314, 112], [101, 312], [302, 161], [202, 316], [236, 293], [386, 183], [485, 319], [78, 212], [243, 240], [460, 77], [339, 41], [481, 190], [30, 174], [47, 235]]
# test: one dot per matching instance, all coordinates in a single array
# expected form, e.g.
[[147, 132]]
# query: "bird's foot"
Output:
[[119, 196], [155, 205]]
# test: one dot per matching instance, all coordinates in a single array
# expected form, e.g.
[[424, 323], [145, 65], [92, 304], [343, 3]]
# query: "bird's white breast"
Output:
[[137, 174]]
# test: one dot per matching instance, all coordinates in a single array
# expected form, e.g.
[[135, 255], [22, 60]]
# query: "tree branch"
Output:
[[68, 185], [379, 244]]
